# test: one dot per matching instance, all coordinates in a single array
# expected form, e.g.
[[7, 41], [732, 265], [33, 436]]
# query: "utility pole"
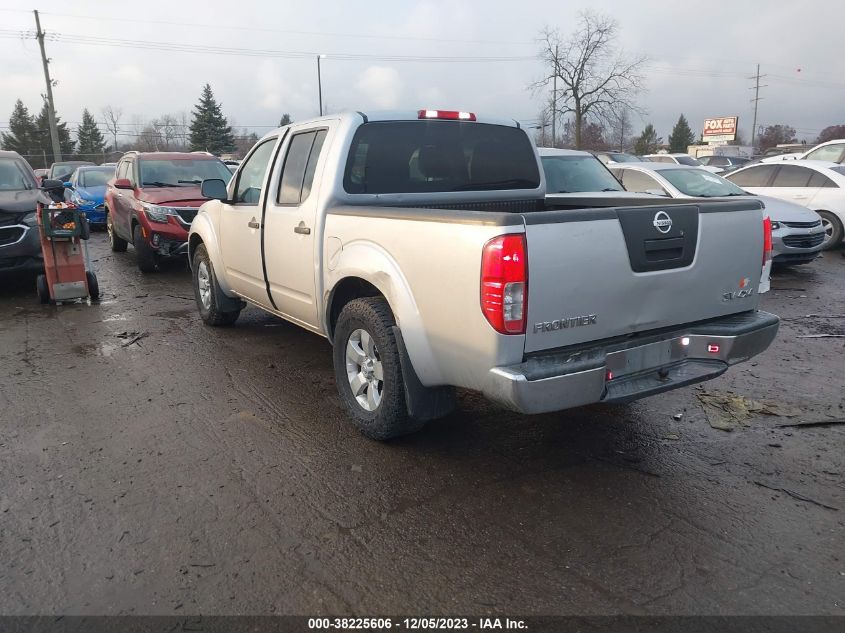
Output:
[[51, 108], [756, 100], [554, 99]]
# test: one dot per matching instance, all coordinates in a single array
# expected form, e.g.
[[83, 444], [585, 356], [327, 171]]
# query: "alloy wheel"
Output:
[[364, 369]]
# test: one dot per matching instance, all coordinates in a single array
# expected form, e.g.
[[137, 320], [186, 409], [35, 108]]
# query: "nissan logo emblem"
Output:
[[662, 222]]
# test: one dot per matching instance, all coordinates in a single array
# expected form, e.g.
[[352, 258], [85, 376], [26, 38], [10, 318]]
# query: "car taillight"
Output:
[[767, 239], [449, 115], [504, 283]]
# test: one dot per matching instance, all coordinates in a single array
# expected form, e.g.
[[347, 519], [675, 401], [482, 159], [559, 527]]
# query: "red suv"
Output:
[[152, 200]]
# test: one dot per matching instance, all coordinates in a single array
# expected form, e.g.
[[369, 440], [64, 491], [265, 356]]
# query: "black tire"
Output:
[[93, 285], [42, 289], [117, 243], [834, 230], [212, 311], [146, 256], [389, 417]]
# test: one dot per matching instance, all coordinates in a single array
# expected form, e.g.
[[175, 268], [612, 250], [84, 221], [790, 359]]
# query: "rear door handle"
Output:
[[253, 224], [302, 229]]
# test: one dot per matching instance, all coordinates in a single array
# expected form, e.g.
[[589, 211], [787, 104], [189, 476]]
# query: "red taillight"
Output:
[[449, 115], [504, 283], [767, 239]]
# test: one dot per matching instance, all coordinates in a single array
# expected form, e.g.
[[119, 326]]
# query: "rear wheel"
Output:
[[118, 244], [368, 371], [146, 255], [832, 229], [210, 300]]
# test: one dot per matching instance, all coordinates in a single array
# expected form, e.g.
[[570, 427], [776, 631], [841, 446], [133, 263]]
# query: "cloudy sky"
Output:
[[701, 54]]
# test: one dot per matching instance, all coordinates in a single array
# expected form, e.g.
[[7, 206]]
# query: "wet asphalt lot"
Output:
[[152, 465]]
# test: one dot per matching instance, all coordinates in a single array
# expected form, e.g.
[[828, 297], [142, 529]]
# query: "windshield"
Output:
[[95, 177], [439, 156], [62, 171], [181, 172], [688, 160], [838, 170], [575, 174], [700, 183], [14, 176]]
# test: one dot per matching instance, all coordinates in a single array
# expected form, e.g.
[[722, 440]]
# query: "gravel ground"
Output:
[[152, 465]]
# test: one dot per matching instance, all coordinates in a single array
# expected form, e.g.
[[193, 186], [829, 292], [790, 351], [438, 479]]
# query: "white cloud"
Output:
[[381, 86]]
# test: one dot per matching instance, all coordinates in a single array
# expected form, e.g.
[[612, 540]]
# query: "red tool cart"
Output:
[[64, 235]]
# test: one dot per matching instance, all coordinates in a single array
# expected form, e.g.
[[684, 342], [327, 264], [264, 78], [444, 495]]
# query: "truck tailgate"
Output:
[[601, 273]]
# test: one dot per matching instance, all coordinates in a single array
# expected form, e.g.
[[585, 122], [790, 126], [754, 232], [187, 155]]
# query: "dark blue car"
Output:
[[88, 187]]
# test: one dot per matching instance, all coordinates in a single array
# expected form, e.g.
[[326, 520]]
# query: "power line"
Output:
[[288, 31]]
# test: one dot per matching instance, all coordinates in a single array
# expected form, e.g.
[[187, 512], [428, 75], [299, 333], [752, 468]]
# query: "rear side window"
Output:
[[753, 176], [820, 180], [833, 153], [439, 156], [792, 176], [300, 165]]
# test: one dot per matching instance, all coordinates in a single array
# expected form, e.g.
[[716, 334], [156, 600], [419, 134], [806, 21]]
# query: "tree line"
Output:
[[207, 130], [590, 87]]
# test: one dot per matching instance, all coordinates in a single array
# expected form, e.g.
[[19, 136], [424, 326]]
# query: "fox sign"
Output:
[[720, 129]]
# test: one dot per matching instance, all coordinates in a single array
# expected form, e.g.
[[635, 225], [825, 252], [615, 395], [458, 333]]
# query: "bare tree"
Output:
[[167, 125], [111, 119], [620, 128], [588, 75]]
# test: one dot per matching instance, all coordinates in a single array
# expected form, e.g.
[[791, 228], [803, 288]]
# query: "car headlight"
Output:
[[157, 213], [775, 226], [29, 219]]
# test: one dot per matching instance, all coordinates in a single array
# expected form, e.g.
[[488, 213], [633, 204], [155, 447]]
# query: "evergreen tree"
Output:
[[91, 143], [285, 120], [45, 143], [681, 137], [21, 135], [648, 142], [210, 131]]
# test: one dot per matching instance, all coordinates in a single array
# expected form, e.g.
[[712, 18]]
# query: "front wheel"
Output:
[[207, 293], [117, 243], [832, 229], [368, 371], [146, 256]]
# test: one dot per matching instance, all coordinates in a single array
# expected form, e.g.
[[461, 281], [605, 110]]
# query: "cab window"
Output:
[[252, 172]]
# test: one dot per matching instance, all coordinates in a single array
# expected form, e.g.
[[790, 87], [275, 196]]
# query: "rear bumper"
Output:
[[633, 369]]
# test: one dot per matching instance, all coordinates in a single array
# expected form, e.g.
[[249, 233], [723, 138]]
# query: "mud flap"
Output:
[[424, 403]]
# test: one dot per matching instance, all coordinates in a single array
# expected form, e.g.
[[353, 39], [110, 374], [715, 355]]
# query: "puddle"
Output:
[[93, 349]]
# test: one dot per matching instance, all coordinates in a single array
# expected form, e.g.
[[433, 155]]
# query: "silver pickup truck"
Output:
[[422, 247]]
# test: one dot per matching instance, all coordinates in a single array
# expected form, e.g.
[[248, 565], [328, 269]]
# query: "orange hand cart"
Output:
[[68, 274]]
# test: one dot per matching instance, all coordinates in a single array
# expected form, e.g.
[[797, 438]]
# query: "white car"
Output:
[[832, 151], [815, 184], [797, 233], [680, 159]]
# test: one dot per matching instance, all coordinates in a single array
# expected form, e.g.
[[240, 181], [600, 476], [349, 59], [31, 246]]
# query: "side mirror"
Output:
[[214, 189], [122, 183]]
